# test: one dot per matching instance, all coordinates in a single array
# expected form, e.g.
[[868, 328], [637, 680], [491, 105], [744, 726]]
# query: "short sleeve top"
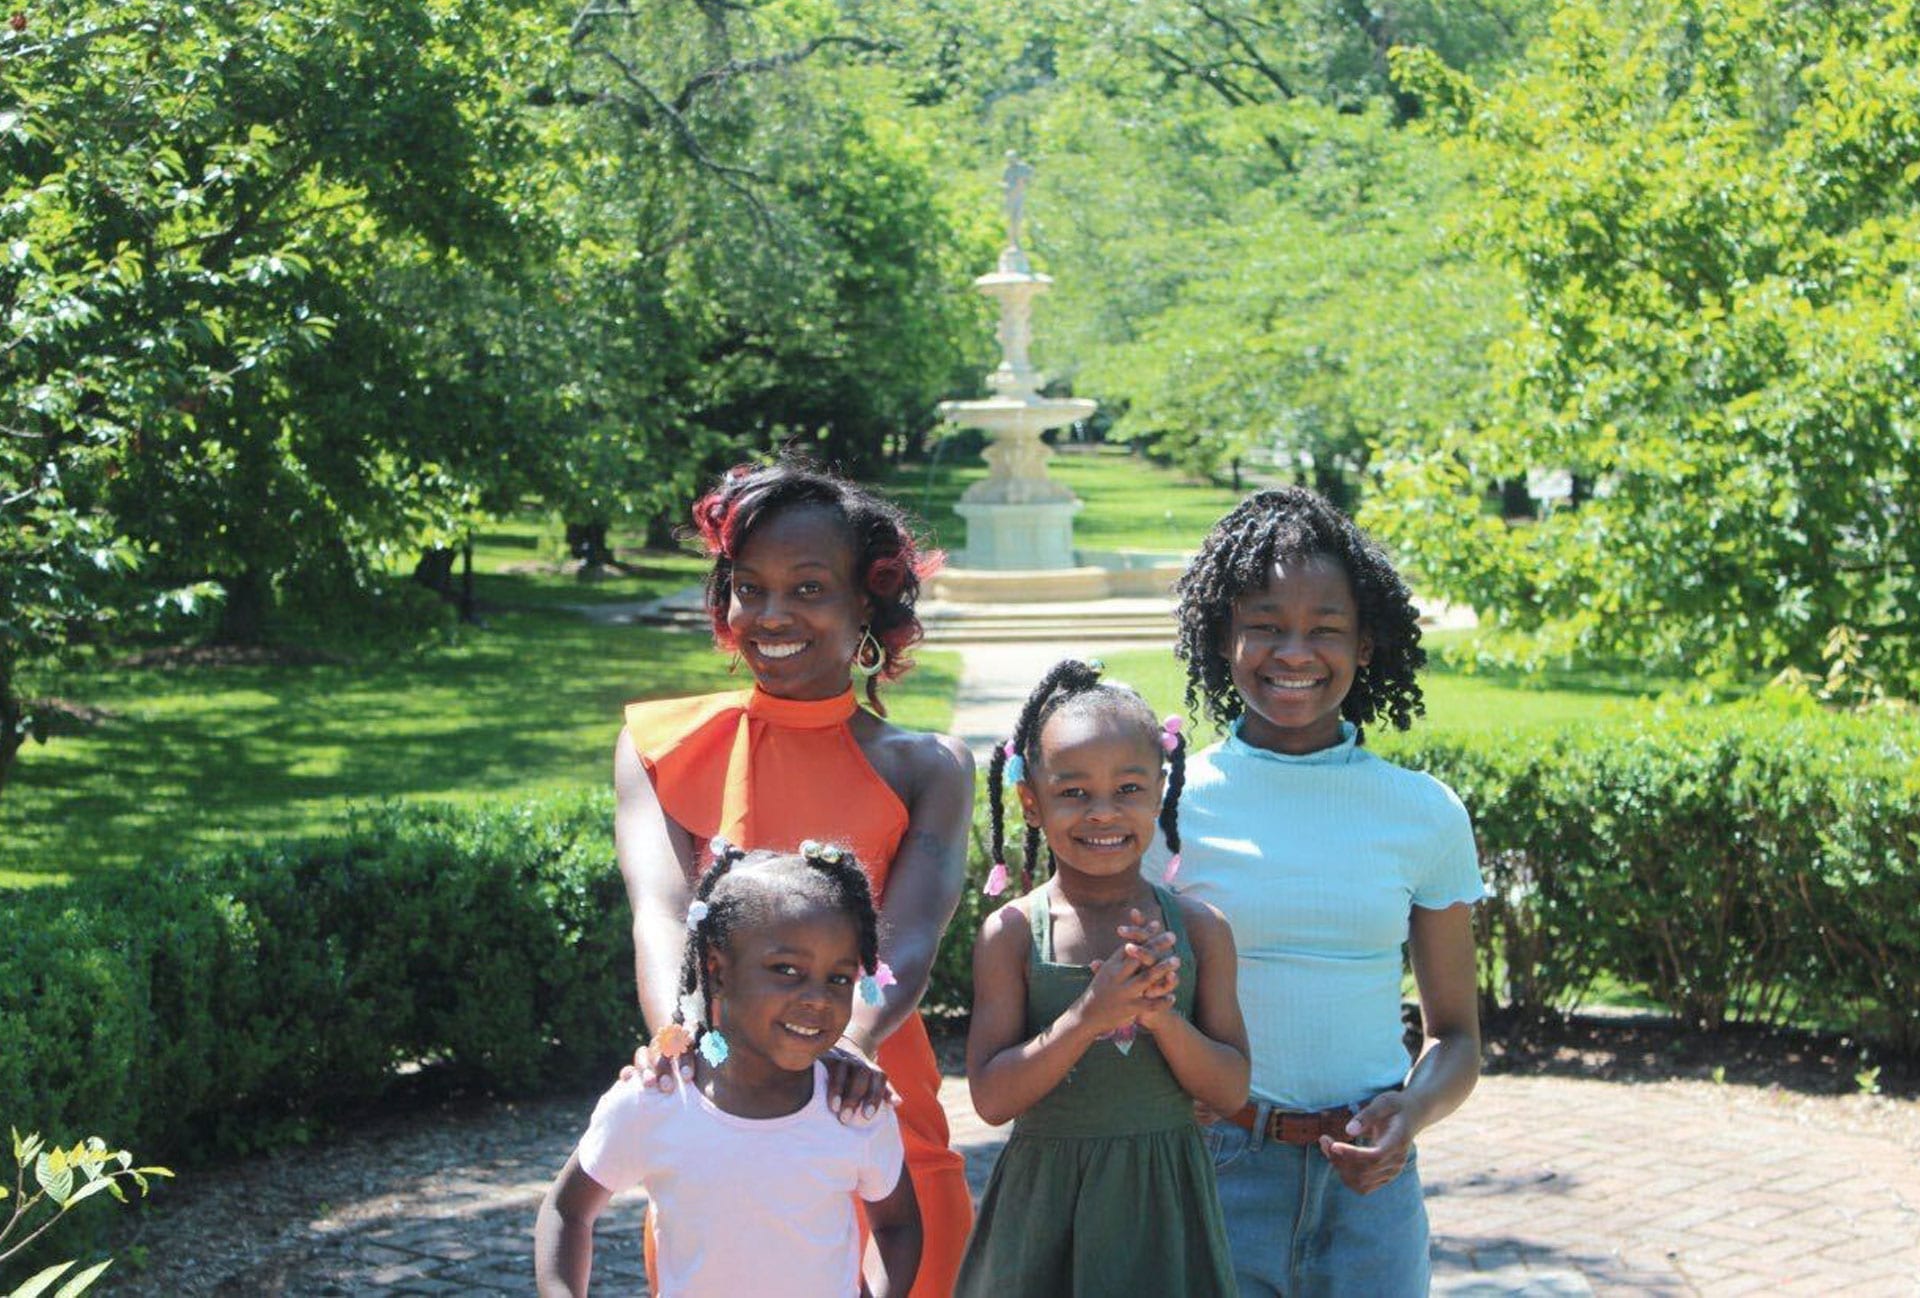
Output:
[[745, 1205], [1317, 861]]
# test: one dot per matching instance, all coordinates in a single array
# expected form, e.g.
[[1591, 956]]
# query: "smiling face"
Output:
[[1293, 648], [783, 988], [1094, 789], [794, 609]]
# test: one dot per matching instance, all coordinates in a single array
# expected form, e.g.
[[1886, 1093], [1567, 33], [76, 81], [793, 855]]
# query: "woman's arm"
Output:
[[923, 886], [1008, 1072], [563, 1232], [1208, 1056], [1449, 1063], [655, 859], [894, 1255]]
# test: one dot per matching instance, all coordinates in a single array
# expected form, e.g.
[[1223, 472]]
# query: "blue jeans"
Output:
[[1297, 1231]]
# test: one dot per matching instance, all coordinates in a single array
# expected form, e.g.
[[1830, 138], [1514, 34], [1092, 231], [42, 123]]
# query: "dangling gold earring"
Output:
[[869, 656]]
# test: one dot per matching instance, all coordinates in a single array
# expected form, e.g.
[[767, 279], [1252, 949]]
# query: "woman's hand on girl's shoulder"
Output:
[[655, 1070], [856, 1087]]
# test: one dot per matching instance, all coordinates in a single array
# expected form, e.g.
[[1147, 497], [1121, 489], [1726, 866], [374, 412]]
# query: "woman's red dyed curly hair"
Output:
[[888, 563]]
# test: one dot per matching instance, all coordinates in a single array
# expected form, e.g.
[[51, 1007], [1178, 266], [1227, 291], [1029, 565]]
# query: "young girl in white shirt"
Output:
[[752, 1177]]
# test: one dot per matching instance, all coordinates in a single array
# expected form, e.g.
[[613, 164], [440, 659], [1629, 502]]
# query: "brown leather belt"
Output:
[[1298, 1128]]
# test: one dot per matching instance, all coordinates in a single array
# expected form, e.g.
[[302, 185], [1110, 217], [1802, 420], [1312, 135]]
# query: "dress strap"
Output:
[[1040, 925], [1170, 913]]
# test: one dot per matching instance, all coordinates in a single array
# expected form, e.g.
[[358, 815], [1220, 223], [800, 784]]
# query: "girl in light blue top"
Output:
[[1296, 633]]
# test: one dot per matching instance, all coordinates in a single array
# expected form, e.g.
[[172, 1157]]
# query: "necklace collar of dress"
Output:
[[1334, 755], [801, 714]]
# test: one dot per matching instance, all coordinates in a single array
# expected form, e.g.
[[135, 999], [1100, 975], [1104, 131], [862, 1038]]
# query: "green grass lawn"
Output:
[[1456, 700], [1129, 502], [195, 756]]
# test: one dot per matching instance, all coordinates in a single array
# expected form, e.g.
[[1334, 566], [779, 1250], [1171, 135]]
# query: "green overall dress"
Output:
[[1105, 1187]]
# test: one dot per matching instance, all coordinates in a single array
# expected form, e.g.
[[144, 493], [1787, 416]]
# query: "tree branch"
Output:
[[1207, 76], [1257, 62], [768, 63], [728, 174]]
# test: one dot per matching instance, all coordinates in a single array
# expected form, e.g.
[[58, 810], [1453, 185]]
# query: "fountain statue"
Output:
[[1018, 519]]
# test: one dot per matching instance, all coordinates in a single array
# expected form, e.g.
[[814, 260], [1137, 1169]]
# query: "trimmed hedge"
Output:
[[1738, 863], [224, 1003]]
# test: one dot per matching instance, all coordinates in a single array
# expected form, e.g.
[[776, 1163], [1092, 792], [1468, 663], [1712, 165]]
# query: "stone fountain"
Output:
[[1019, 546], [1018, 519]]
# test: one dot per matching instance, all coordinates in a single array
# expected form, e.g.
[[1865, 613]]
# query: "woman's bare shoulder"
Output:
[[915, 760]]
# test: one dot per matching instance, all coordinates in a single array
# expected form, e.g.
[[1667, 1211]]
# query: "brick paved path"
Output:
[[1540, 1185]]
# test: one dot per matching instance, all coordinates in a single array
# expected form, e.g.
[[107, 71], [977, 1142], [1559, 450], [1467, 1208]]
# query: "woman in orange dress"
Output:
[[812, 587]]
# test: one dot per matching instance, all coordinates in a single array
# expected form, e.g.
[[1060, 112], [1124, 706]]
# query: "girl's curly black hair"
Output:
[[742, 889], [1287, 525], [1069, 684], [888, 563]]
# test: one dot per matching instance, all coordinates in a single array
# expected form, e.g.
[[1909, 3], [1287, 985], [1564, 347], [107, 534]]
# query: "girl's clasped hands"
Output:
[[1135, 986]]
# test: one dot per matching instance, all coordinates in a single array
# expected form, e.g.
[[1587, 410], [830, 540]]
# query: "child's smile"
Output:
[[784, 993], [1294, 648]]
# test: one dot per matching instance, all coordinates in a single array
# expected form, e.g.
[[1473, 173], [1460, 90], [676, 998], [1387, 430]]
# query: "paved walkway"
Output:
[[1540, 1185]]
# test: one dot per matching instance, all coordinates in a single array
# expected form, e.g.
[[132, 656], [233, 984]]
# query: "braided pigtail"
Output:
[[997, 817], [709, 925], [1175, 744]]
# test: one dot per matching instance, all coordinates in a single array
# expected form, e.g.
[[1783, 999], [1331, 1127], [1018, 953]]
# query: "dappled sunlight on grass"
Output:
[[198, 756]]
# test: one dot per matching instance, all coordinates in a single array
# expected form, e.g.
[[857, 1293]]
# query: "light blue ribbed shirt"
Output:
[[1316, 861]]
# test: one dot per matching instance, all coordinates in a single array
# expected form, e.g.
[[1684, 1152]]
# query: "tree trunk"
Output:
[[435, 571], [660, 531], [243, 618], [1333, 484], [13, 732], [469, 608], [587, 542], [1514, 500]]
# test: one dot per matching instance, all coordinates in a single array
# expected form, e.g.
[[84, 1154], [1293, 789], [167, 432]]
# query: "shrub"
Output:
[[1741, 863], [224, 1002], [950, 988]]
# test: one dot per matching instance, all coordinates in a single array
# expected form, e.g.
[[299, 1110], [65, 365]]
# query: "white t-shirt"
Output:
[[745, 1206]]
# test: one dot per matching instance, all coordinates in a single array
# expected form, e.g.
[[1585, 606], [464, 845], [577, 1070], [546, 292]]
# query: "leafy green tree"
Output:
[[783, 262], [206, 382], [1712, 211], [1250, 245]]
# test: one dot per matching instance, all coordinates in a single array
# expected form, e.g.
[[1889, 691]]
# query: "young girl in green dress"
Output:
[[1094, 1046]]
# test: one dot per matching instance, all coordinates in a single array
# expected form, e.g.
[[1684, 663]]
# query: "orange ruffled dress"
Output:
[[767, 772]]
